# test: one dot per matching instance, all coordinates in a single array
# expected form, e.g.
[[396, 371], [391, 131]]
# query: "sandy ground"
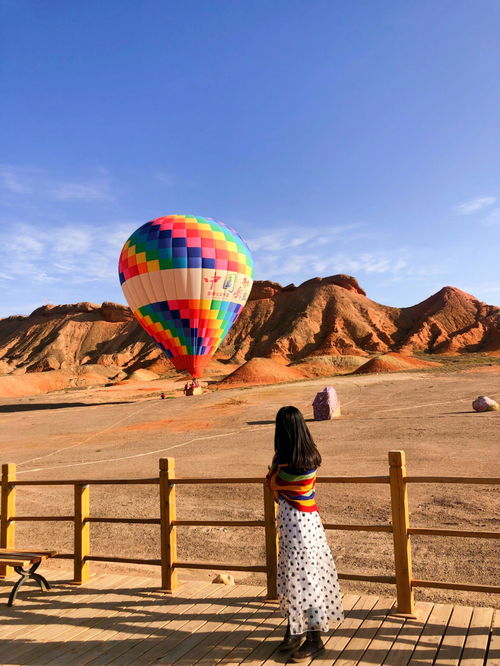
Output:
[[122, 431]]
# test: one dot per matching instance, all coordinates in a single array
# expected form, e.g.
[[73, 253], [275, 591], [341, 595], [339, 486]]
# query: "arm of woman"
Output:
[[271, 482]]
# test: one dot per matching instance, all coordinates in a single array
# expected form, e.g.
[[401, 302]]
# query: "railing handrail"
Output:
[[86, 482], [482, 480], [438, 531], [200, 480], [167, 481], [350, 527]]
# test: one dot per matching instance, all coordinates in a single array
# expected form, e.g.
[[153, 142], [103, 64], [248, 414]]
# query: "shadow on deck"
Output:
[[118, 619]]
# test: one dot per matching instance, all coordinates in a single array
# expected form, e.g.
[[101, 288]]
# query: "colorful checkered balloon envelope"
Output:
[[186, 279]]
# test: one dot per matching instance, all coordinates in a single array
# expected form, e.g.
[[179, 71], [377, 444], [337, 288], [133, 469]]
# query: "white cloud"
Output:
[[37, 182], [274, 241], [418, 271], [117, 233], [366, 262], [82, 191], [63, 268], [277, 265], [43, 276], [72, 240], [282, 239], [70, 255], [22, 241], [164, 178], [474, 205], [12, 181], [485, 288], [285, 255], [3, 276], [493, 218]]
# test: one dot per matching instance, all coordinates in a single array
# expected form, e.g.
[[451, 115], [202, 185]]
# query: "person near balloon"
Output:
[[192, 388], [308, 587]]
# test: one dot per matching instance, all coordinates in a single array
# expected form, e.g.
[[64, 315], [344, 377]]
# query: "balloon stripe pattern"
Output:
[[186, 279]]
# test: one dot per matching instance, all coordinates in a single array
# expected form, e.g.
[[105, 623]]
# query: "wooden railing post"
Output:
[[271, 542], [400, 525], [168, 530], [7, 512], [82, 533]]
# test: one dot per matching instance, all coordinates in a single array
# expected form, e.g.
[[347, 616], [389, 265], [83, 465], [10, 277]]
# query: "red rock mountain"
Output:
[[333, 316], [322, 317]]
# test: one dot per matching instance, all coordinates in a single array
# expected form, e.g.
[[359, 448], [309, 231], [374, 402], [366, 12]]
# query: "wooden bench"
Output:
[[22, 558]]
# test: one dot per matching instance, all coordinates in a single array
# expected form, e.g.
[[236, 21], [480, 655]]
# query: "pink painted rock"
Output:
[[326, 404], [484, 404]]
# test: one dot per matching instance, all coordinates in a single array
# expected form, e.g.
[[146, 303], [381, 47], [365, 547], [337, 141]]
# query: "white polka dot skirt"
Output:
[[308, 587]]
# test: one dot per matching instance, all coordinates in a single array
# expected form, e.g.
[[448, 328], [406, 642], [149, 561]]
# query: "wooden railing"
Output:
[[397, 480]]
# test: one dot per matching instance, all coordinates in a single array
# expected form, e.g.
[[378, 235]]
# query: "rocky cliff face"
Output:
[[333, 316], [63, 337], [322, 317]]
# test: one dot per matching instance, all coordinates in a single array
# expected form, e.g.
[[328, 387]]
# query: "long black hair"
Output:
[[293, 443]]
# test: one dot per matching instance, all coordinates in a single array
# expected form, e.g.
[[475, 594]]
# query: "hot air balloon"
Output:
[[186, 279]]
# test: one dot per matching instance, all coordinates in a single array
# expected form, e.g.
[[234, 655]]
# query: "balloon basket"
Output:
[[197, 390]]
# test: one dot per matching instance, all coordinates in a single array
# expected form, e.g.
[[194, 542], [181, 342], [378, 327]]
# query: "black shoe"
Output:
[[310, 648], [290, 641]]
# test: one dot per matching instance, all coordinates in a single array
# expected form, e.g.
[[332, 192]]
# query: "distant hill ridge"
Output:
[[333, 316], [328, 316]]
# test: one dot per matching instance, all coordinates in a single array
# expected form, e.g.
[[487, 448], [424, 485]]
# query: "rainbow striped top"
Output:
[[296, 489]]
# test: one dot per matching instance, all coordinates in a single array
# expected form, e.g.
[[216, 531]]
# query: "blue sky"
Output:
[[338, 137]]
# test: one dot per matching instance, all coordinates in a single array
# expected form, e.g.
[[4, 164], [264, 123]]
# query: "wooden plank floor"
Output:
[[117, 619]]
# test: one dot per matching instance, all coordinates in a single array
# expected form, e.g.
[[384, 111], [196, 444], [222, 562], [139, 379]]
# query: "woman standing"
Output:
[[308, 588]]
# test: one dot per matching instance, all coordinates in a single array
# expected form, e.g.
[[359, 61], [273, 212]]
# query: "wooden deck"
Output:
[[117, 619]]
